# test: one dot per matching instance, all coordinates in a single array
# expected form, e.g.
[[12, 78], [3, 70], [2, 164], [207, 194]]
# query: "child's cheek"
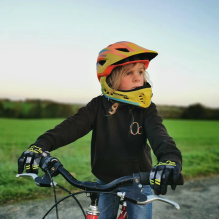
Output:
[[126, 81]]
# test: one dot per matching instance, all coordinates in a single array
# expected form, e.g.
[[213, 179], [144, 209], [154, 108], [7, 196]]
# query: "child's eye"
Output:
[[128, 73], [140, 72]]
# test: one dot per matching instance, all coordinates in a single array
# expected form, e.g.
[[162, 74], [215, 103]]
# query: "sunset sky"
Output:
[[48, 49]]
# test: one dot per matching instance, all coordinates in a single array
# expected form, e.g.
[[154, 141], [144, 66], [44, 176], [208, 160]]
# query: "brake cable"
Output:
[[54, 192], [56, 203], [73, 194]]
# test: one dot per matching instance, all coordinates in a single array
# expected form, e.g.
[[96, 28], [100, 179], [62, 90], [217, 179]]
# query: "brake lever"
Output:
[[151, 198], [33, 175], [43, 181]]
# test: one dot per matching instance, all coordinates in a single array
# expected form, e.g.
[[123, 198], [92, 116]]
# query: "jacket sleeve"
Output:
[[70, 129], [161, 143]]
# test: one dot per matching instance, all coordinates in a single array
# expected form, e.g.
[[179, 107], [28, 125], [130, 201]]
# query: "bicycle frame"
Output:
[[93, 211], [123, 214]]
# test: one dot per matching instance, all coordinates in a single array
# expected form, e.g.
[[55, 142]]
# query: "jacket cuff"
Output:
[[171, 157], [45, 144]]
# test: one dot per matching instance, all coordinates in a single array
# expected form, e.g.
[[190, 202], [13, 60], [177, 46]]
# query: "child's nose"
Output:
[[136, 77]]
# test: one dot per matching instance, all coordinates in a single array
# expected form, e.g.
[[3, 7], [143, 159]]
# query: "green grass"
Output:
[[197, 140], [199, 144], [15, 137]]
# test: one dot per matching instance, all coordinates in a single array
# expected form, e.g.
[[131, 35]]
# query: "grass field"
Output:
[[197, 140]]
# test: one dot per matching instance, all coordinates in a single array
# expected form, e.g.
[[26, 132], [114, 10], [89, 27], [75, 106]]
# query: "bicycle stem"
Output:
[[93, 208]]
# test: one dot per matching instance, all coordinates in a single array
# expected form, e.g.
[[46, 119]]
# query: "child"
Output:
[[122, 120]]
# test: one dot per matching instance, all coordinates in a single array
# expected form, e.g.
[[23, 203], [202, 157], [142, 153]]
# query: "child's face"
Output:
[[133, 78]]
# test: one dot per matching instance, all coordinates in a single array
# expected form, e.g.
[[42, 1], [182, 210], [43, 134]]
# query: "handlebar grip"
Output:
[[145, 179]]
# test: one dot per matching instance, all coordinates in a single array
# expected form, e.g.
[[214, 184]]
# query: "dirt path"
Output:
[[197, 198]]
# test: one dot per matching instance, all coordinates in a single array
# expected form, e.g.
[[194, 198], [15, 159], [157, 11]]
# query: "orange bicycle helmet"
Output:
[[122, 53]]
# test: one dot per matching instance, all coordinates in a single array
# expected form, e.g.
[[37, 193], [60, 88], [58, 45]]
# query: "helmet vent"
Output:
[[102, 62], [122, 49]]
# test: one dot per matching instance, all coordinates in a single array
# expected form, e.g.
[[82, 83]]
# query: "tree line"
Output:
[[193, 112], [35, 109]]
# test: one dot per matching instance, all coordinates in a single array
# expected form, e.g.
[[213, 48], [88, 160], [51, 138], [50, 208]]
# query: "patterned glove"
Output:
[[160, 175], [31, 159]]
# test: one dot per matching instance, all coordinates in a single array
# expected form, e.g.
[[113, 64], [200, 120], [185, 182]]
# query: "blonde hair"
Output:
[[115, 78]]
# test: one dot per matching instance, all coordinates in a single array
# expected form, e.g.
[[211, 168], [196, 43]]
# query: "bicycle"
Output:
[[93, 189]]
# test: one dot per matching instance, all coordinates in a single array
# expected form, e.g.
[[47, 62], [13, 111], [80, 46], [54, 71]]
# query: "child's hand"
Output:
[[31, 158], [160, 175]]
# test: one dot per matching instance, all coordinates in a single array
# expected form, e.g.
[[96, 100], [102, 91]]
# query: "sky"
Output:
[[48, 49]]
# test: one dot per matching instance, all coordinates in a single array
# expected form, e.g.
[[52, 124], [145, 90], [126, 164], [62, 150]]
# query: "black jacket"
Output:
[[119, 141]]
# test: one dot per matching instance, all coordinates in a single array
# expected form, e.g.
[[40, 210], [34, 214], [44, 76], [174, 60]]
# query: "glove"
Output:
[[47, 162], [31, 159], [160, 175]]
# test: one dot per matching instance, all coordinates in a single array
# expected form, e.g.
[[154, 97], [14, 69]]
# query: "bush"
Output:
[[36, 111], [199, 112], [55, 110], [1, 109]]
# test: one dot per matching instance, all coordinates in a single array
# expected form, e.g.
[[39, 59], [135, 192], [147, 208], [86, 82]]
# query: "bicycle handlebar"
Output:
[[57, 167], [134, 195], [141, 178]]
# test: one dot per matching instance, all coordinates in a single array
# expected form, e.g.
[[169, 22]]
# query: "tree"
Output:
[[1, 110], [196, 111], [36, 110], [55, 110]]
